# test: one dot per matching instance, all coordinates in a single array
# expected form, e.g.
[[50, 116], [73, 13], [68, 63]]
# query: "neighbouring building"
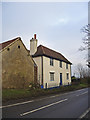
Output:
[[18, 67], [53, 68]]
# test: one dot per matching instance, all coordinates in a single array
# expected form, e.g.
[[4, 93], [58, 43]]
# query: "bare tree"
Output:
[[86, 41], [81, 71]]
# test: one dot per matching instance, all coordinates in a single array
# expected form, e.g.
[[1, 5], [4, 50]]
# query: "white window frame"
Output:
[[52, 77]]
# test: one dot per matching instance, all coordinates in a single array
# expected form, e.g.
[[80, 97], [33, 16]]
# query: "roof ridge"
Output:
[[11, 40], [7, 43], [48, 48], [43, 49], [51, 50]]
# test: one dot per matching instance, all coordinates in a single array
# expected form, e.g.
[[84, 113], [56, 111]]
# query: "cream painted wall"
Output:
[[56, 69]]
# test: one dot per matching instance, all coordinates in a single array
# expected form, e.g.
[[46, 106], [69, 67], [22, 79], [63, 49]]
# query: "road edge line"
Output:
[[85, 113]]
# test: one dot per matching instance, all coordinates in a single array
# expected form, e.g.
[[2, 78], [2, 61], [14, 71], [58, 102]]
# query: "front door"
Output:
[[60, 78]]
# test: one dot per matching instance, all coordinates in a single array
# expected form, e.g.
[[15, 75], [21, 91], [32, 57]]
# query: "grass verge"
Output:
[[14, 94]]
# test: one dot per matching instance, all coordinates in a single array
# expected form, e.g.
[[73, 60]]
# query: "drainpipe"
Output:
[[42, 69], [70, 74]]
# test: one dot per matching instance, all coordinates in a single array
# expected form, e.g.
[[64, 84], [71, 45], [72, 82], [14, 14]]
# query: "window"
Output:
[[51, 61], [67, 76], [66, 65], [51, 76], [19, 46], [8, 49], [61, 64]]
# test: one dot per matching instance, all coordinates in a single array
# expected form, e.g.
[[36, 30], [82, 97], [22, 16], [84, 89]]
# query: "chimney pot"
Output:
[[34, 36]]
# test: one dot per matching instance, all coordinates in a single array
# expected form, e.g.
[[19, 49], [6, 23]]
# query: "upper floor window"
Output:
[[51, 61], [51, 76], [8, 49], [67, 74], [19, 46], [66, 65], [60, 64]]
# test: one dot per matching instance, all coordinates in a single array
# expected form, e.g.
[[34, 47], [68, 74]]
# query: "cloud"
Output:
[[45, 1], [61, 21]]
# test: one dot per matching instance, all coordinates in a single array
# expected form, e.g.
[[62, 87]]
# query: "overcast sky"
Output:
[[57, 25]]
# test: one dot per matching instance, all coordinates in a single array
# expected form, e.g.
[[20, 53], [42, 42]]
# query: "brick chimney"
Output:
[[33, 45], [34, 36]]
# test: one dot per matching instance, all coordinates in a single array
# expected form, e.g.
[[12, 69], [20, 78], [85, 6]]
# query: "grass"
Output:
[[14, 94]]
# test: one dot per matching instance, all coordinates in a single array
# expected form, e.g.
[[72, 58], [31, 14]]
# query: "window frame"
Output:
[[67, 76], [52, 73], [8, 49], [66, 65], [60, 64], [18, 46], [51, 62]]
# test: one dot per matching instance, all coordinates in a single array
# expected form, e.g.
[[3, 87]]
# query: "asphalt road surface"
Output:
[[68, 105]]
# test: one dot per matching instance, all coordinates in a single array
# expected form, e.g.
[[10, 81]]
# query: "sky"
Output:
[[57, 25]]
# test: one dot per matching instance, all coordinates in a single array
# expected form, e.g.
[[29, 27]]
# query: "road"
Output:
[[68, 105]]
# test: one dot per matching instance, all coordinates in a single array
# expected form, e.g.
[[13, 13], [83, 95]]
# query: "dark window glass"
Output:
[[8, 49], [66, 65], [19, 46], [67, 76], [61, 64], [51, 76], [51, 61]]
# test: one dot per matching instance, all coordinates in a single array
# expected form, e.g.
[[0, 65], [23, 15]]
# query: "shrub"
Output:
[[34, 85]]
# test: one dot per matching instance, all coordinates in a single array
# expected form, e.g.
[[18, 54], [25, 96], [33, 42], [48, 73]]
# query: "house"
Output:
[[18, 67], [53, 68]]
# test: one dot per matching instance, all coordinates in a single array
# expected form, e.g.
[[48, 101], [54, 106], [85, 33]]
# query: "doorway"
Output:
[[60, 78]]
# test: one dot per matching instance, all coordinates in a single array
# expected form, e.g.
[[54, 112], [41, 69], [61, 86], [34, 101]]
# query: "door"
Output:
[[60, 78]]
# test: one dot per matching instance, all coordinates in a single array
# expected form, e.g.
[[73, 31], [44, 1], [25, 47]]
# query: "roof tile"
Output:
[[4, 44], [44, 51]]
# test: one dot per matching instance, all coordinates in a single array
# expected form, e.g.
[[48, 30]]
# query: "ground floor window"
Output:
[[51, 76]]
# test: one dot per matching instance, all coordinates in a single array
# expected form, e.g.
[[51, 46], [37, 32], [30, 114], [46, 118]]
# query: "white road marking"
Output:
[[65, 93], [54, 96], [82, 93], [83, 115], [16, 104], [42, 107], [81, 89], [11, 105]]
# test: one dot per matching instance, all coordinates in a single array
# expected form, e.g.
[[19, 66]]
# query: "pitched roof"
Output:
[[44, 51], [4, 44]]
